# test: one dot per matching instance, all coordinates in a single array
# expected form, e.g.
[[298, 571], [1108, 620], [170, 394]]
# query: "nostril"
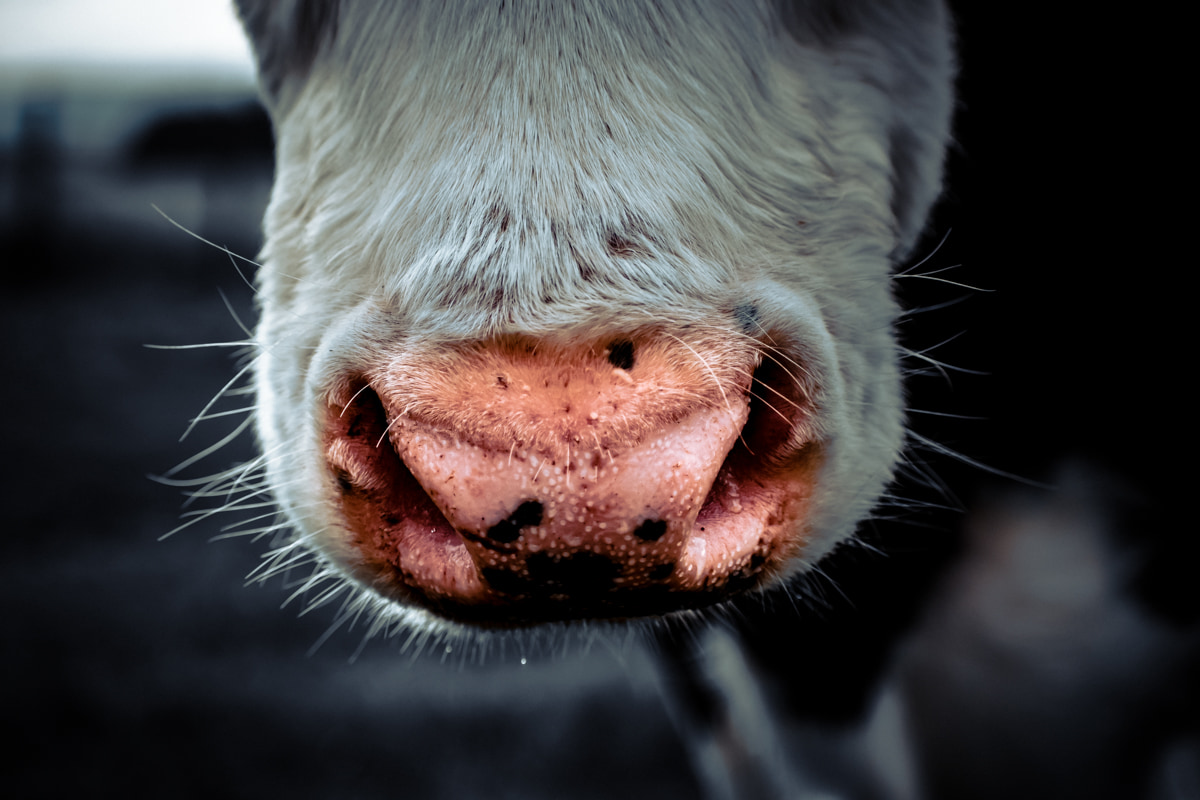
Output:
[[780, 410], [360, 455], [394, 525], [359, 413]]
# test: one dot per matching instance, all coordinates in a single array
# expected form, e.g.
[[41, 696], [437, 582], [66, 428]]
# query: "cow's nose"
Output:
[[517, 481], [577, 520]]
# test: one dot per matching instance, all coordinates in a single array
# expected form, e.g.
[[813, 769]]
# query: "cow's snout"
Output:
[[518, 480]]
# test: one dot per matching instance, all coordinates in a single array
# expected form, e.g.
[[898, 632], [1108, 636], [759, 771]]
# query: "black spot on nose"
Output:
[[527, 515], [651, 530], [576, 574], [620, 354]]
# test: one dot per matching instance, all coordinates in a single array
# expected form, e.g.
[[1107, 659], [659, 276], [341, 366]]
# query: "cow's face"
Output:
[[583, 310]]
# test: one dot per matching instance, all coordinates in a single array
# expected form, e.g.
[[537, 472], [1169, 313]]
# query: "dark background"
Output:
[[138, 666]]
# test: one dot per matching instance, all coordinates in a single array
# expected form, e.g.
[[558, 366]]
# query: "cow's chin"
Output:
[[516, 482]]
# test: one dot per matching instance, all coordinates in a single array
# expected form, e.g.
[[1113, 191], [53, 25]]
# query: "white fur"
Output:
[[450, 171]]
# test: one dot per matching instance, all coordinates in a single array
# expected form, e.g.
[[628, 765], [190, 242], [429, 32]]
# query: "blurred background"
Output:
[[1054, 642]]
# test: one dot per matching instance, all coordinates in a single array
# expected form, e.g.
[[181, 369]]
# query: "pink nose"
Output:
[[515, 482]]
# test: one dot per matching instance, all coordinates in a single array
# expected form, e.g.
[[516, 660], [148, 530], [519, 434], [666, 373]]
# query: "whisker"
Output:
[[197, 236], [238, 431], [191, 426], [354, 397], [957, 456], [707, 366], [908, 270]]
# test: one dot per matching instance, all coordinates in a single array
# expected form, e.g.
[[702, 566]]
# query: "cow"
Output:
[[582, 313]]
